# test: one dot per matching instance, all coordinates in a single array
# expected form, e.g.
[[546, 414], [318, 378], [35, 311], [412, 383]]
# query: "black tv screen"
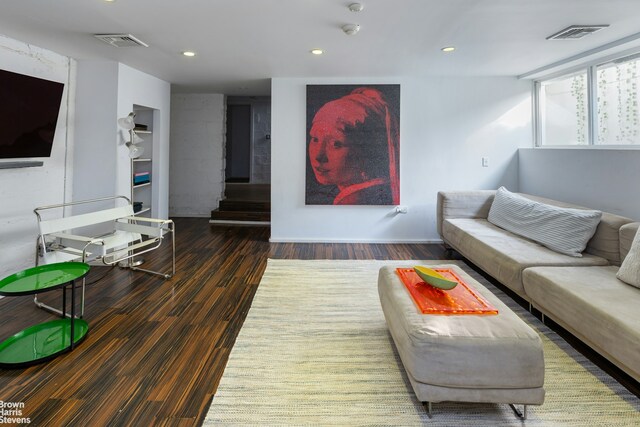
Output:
[[29, 109]]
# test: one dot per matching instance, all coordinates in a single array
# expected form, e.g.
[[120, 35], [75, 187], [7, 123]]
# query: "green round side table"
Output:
[[44, 341]]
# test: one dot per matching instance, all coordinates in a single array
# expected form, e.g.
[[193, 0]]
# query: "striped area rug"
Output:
[[315, 350]]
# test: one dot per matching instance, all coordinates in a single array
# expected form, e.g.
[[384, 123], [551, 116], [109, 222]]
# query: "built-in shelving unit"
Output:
[[143, 192], [136, 165]]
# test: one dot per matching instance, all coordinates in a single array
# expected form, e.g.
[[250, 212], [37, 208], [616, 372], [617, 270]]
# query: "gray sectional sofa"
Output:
[[582, 294]]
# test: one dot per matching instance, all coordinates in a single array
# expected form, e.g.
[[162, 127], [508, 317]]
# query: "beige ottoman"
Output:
[[464, 358]]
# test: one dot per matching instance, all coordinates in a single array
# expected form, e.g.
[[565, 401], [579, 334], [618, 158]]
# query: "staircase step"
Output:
[[240, 216], [244, 205], [240, 191]]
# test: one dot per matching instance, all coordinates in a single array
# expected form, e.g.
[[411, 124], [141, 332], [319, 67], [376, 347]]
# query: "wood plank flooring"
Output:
[[156, 349]]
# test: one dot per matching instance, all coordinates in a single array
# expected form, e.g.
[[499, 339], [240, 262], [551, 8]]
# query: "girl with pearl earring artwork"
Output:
[[353, 145]]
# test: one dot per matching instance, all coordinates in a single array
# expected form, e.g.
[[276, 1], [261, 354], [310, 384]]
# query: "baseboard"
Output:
[[371, 241]]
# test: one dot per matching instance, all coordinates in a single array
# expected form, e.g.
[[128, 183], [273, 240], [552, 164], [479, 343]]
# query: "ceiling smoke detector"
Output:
[[351, 29], [120, 40], [356, 7], [575, 32]]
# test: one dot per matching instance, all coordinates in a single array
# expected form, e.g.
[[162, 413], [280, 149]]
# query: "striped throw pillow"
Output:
[[630, 269], [563, 230]]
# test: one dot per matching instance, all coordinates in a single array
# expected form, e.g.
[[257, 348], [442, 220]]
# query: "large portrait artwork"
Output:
[[353, 145]]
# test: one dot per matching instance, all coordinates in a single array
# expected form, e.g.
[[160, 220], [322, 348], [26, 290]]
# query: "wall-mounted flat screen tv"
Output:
[[29, 109]]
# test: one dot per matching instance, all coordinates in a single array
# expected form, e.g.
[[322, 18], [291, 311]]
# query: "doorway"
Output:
[[238, 144], [247, 190]]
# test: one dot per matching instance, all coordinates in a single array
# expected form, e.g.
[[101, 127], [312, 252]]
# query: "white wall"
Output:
[[605, 179], [95, 130], [138, 88], [22, 190], [197, 154], [447, 125], [108, 90]]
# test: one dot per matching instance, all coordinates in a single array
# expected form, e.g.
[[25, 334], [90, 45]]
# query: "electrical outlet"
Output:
[[485, 162]]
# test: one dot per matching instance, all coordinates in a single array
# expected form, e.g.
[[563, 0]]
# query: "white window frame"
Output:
[[592, 104]]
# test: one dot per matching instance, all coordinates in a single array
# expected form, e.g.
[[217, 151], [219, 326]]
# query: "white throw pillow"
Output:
[[563, 230], [629, 271]]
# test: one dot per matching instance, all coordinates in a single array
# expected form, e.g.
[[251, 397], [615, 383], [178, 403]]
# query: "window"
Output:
[[597, 105], [618, 113], [563, 110]]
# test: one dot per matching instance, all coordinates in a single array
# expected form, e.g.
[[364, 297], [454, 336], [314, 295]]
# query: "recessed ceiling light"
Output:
[[188, 53], [356, 7], [110, 1], [317, 51], [448, 49]]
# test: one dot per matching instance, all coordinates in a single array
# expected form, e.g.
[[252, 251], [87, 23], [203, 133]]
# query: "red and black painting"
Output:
[[353, 145]]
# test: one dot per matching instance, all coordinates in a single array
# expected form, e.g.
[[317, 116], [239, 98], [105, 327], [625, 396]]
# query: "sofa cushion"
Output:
[[501, 253], [594, 305], [630, 269], [563, 230], [463, 204], [605, 243]]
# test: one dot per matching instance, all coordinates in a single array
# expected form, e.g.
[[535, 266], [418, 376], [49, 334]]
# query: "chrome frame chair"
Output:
[[127, 238]]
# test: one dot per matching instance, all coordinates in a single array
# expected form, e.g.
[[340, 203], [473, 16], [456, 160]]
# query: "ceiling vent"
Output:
[[576, 32], [120, 40]]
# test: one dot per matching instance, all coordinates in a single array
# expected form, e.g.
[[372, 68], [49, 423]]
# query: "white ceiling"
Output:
[[241, 44]]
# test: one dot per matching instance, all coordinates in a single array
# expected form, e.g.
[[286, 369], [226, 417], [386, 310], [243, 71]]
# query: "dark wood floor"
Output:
[[157, 349]]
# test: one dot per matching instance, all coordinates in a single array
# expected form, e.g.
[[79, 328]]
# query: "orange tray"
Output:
[[431, 300]]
